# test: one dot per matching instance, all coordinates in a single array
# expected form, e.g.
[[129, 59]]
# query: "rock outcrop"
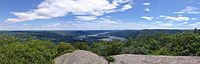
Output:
[[151, 59], [80, 57], [86, 57]]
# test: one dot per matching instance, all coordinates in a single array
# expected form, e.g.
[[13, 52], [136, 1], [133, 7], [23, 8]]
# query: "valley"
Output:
[[88, 35]]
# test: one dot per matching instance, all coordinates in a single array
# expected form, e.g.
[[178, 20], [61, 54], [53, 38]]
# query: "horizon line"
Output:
[[87, 29]]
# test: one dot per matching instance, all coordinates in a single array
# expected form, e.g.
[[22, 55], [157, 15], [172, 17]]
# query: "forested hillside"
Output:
[[144, 33], [84, 35], [55, 36], [33, 51]]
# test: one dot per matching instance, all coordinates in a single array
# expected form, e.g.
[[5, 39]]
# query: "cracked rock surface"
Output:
[[151, 59], [87, 57], [80, 57]]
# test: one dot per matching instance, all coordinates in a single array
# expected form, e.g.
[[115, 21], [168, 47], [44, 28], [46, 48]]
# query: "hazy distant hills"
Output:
[[55, 36], [70, 36], [143, 33]]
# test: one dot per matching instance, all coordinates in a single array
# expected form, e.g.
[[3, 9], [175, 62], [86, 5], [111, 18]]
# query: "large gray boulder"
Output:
[[86, 57], [80, 57], [151, 59]]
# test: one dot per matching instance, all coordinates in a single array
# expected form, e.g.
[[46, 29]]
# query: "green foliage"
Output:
[[5, 39], [110, 59], [28, 52], [64, 48], [162, 51], [107, 48], [81, 45], [179, 44], [32, 51], [134, 50]]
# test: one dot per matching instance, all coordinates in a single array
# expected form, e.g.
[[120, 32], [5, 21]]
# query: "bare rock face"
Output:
[[147, 59], [86, 57], [80, 57]]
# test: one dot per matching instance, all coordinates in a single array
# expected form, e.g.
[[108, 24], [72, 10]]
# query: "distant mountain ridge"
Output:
[[68, 35], [144, 33]]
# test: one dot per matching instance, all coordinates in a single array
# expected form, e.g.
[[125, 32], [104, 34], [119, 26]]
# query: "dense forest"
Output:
[[14, 50], [74, 36], [55, 36]]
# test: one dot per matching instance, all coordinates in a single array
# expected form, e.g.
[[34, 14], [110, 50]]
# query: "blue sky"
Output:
[[99, 14]]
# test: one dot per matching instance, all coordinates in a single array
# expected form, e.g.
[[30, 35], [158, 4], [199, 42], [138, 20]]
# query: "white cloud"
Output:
[[147, 17], [167, 24], [99, 24], [105, 20], [58, 8], [185, 23], [52, 25], [193, 18], [126, 7], [147, 9], [25, 16], [163, 24], [178, 18], [197, 24], [146, 4], [87, 18], [189, 10], [111, 25]]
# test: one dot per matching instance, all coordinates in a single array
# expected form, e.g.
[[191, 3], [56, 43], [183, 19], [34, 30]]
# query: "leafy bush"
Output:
[[31, 51], [110, 59], [107, 48], [81, 45], [28, 52], [64, 48]]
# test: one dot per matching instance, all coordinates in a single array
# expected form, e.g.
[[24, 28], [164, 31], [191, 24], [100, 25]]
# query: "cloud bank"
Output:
[[189, 10], [48, 9], [147, 18], [177, 18]]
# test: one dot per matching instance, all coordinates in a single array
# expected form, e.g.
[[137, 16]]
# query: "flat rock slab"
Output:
[[149, 59], [80, 57], [87, 57]]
